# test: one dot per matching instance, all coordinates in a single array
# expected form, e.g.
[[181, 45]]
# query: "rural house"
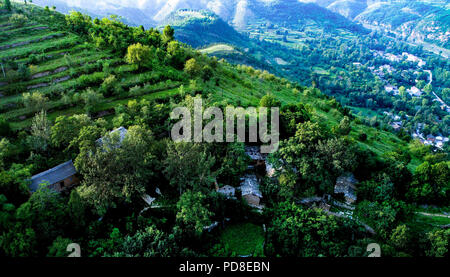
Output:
[[346, 185], [60, 178], [121, 132], [250, 190], [227, 190]]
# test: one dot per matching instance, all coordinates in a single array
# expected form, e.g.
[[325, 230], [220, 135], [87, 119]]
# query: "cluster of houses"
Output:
[[398, 58], [345, 188], [437, 141]]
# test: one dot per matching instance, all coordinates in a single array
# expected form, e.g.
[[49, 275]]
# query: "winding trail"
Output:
[[428, 214], [435, 95]]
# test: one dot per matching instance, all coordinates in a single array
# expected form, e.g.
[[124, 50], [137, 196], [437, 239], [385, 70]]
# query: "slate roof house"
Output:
[[346, 185], [250, 190], [227, 190], [60, 178], [121, 132]]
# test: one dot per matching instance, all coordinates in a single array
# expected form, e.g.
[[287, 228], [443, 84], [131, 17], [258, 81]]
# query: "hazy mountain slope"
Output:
[[292, 12], [130, 14], [204, 29], [348, 8], [415, 21], [200, 28]]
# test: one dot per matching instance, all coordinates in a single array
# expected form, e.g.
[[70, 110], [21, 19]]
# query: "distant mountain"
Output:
[[348, 8], [424, 22], [207, 31], [130, 14], [415, 21]]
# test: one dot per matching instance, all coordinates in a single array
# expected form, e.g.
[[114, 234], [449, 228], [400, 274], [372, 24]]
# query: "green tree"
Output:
[[19, 241], [344, 127], [149, 242], [297, 232], [140, 55], [116, 172], [40, 132], [438, 243], [400, 237], [14, 184], [5, 128], [193, 213], [269, 101], [168, 34], [59, 247], [45, 212], [35, 101], [18, 20], [66, 128], [207, 73], [192, 67], [8, 5], [91, 99], [188, 166], [315, 159]]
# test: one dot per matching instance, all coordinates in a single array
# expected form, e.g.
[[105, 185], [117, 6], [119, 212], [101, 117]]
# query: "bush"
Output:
[[5, 128], [18, 19]]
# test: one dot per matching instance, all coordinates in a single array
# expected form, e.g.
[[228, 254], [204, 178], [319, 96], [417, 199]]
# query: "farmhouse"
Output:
[[346, 186], [414, 91], [250, 190], [121, 132], [60, 178], [227, 190]]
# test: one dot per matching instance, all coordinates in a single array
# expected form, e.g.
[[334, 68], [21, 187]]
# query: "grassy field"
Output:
[[243, 239], [217, 48]]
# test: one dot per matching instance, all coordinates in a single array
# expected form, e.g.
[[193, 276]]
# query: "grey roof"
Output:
[[122, 131], [227, 190], [54, 175], [347, 186], [250, 185]]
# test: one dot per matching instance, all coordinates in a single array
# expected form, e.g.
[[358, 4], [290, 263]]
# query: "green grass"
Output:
[[39, 47], [218, 48], [243, 239], [424, 223], [40, 35]]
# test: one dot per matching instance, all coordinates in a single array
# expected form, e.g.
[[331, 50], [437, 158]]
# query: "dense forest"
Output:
[[68, 81]]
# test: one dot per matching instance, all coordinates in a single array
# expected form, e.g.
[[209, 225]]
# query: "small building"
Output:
[[60, 178], [254, 153], [393, 89], [396, 127], [228, 191], [250, 190], [121, 132], [414, 91], [346, 186]]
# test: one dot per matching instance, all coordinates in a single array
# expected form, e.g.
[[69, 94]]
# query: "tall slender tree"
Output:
[[8, 5]]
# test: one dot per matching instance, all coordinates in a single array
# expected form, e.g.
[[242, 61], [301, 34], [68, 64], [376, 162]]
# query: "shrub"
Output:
[[18, 20]]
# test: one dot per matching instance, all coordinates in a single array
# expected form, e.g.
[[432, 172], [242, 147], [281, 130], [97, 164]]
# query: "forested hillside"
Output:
[[67, 81]]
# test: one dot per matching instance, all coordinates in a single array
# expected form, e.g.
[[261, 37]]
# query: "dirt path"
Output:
[[435, 95], [50, 72], [428, 214]]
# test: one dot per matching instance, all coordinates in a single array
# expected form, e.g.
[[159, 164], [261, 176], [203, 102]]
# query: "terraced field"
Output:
[[60, 65]]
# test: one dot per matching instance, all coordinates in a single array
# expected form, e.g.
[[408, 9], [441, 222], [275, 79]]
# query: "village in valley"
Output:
[[391, 67]]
